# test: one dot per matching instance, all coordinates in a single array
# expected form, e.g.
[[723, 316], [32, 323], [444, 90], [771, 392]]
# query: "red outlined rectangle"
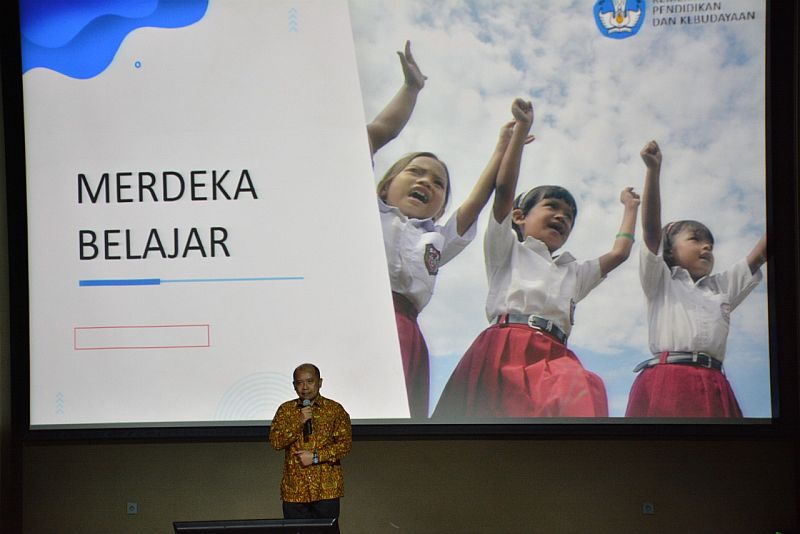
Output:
[[167, 336]]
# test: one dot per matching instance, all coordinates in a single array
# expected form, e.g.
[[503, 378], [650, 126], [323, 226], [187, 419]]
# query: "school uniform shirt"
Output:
[[416, 248], [331, 438], [684, 315], [525, 279]]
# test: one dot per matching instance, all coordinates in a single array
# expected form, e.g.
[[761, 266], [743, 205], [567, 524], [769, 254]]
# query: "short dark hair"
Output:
[[526, 201], [307, 367], [671, 230], [398, 166]]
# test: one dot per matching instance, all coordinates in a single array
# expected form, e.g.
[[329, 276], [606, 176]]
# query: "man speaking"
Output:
[[315, 434]]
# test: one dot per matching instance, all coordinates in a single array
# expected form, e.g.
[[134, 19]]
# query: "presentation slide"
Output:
[[202, 215], [202, 208]]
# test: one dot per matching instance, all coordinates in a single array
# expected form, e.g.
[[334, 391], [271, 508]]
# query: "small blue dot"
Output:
[[137, 64]]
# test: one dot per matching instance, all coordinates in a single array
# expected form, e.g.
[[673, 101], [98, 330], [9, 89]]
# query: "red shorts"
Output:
[[681, 390], [513, 370], [414, 351]]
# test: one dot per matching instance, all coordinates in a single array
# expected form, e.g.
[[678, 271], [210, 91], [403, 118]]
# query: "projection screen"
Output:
[[201, 193]]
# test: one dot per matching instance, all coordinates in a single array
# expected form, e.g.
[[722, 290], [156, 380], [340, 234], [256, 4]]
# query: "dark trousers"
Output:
[[312, 510]]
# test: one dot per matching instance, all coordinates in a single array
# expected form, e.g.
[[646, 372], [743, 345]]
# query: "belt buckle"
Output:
[[532, 321], [696, 359]]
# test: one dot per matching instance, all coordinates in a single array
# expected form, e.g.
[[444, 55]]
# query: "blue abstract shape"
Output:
[[53, 23], [79, 38]]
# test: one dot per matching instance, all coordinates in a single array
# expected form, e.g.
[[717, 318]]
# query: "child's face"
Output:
[[693, 253], [549, 221], [419, 190]]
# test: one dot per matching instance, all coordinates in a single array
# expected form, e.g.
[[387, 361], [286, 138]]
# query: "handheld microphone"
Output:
[[308, 427]]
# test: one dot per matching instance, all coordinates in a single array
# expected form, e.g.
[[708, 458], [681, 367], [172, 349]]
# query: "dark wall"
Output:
[[547, 486]]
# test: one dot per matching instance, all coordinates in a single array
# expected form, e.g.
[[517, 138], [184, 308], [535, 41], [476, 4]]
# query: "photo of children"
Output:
[[413, 195], [520, 366], [696, 86]]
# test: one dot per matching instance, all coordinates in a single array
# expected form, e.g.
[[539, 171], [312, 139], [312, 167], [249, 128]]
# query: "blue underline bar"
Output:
[[128, 282], [159, 281]]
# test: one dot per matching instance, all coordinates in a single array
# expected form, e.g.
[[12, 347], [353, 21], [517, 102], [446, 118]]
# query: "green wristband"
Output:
[[626, 234]]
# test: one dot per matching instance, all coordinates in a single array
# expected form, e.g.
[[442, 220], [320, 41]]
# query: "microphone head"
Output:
[[306, 402]]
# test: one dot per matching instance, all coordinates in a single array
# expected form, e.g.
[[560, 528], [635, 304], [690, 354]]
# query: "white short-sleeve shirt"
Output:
[[416, 248], [525, 279], [684, 315]]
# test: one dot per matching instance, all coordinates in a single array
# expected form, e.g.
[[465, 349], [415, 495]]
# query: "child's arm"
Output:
[[624, 240], [470, 209], [758, 256], [508, 174], [651, 197], [391, 120]]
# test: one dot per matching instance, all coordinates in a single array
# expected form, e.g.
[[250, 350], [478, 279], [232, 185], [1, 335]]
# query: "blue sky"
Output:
[[696, 89]]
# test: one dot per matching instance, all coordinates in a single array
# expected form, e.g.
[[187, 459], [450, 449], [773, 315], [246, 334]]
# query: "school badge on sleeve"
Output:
[[432, 257]]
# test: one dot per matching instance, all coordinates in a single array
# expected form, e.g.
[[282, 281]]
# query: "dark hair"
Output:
[[306, 367], [671, 230], [526, 201], [402, 163]]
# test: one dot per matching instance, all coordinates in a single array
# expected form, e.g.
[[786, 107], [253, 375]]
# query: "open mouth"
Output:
[[420, 195], [557, 227]]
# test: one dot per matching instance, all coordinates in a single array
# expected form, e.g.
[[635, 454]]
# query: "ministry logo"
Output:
[[619, 19]]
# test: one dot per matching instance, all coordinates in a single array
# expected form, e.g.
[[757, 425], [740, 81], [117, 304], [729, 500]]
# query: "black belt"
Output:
[[534, 321], [700, 359]]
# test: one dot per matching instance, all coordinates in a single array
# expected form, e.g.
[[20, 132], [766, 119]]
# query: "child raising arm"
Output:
[[412, 197], [507, 184], [520, 365], [688, 312]]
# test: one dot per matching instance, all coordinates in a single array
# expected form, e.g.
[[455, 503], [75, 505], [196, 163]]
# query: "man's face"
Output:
[[306, 384]]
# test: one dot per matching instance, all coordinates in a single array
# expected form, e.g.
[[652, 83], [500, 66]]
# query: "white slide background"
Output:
[[236, 90]]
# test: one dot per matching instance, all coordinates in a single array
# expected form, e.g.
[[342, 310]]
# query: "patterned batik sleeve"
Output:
[[286, 427], [341, 437]]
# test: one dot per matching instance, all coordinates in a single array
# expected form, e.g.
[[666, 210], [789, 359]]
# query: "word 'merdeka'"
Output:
[[172, 186], [150, 187]]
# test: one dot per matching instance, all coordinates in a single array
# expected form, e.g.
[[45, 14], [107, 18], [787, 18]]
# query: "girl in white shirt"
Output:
[[412, 196], [520, 366], [688, 312]]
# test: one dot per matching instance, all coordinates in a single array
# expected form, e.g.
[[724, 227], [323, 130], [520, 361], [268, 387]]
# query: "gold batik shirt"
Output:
[[331, 438]]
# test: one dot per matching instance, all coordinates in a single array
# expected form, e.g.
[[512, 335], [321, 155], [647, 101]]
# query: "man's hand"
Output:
[[306, 457], [305, 413]]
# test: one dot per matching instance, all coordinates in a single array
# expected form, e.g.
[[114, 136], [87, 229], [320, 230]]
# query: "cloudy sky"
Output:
[[695, 88]]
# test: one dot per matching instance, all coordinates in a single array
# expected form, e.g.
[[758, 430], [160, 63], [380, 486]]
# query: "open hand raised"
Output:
[[414, 77]]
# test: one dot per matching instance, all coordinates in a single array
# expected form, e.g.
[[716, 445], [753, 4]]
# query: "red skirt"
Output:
[[681, 390], [512, 370], [414, 351]]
